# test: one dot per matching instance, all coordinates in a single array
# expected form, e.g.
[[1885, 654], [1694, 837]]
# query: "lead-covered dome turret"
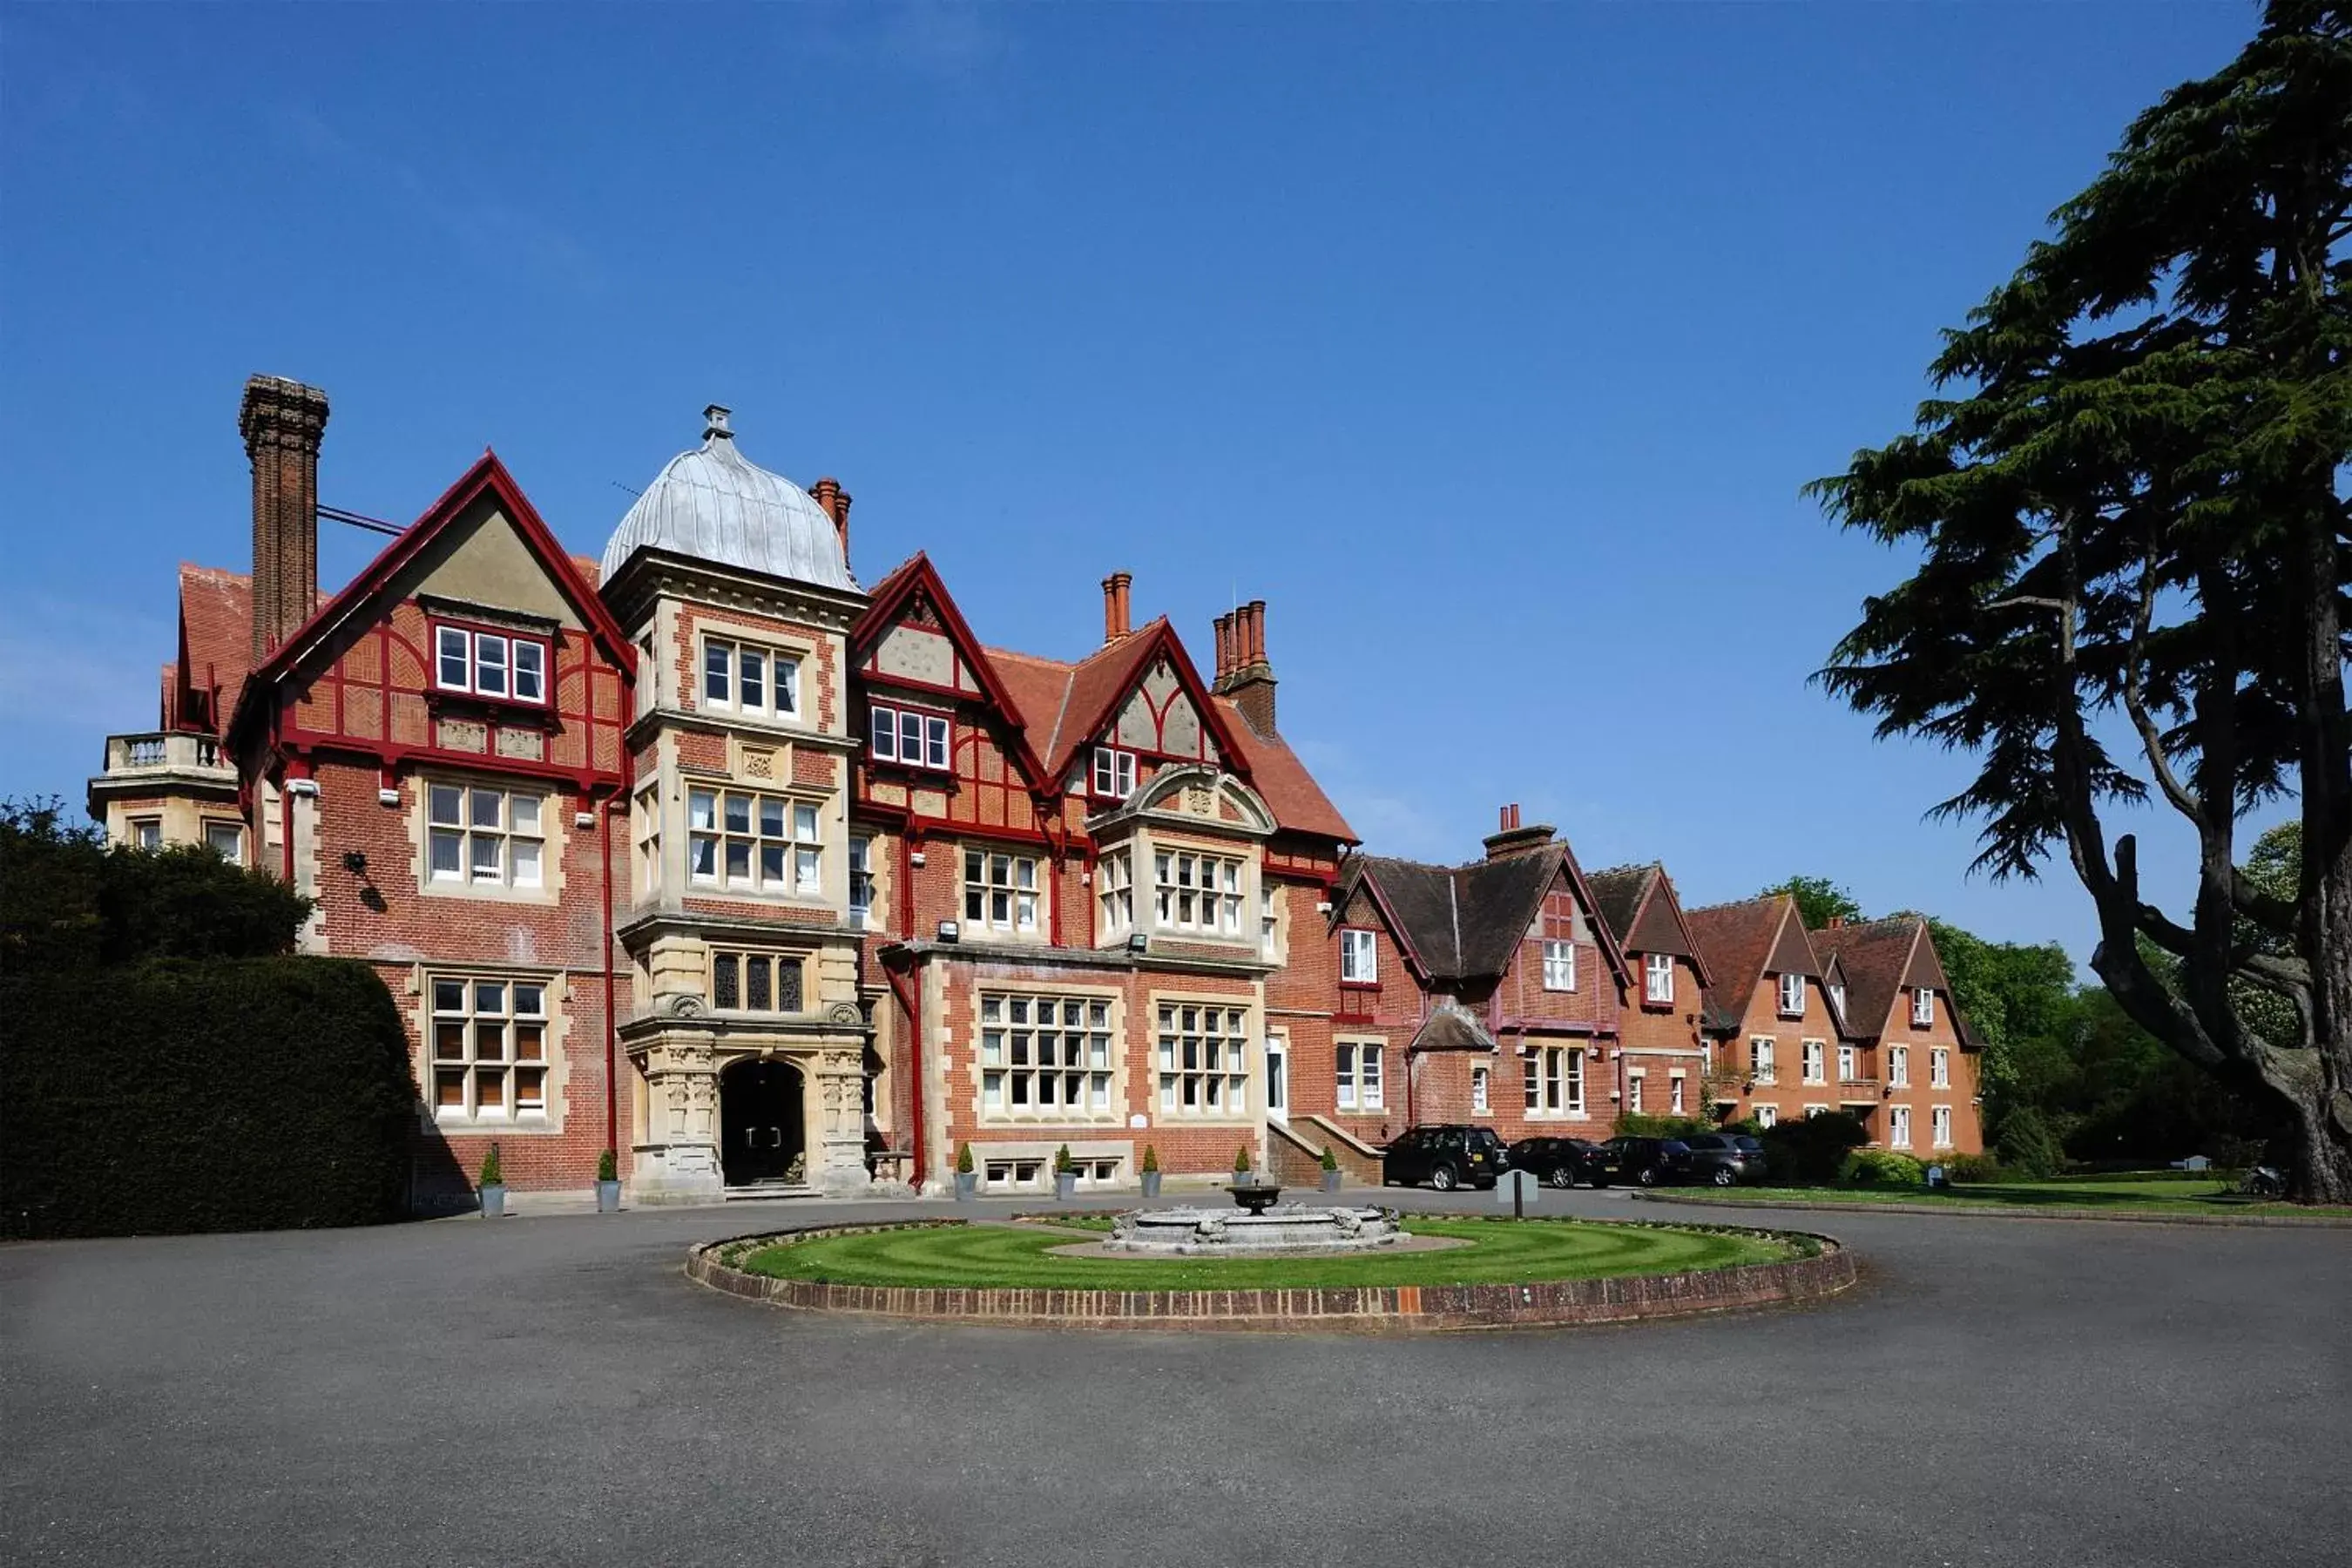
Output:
[[714, 504]]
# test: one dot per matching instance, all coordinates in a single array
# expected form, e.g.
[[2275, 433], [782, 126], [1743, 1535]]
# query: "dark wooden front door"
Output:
[[759, 1121]]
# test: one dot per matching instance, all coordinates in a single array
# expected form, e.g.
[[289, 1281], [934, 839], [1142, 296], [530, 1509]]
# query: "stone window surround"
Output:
[[551, 826], [1898, 1067], [786, 888], [1041, 932], [1252, 1046], [558, 1030], [697, 629], [985, 1150], [1812, 1061], [1551, 1063], [776, 654], [1114, 1117], [801, 956], [1762, 1065], [1357, 1104]]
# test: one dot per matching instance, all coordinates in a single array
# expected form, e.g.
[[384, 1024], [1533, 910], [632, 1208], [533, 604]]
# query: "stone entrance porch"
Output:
[[686, 1142]]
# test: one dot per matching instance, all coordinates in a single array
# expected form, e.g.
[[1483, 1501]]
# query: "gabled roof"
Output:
[[899, 588], [216, 647], [1462, 922], [1282, 781], [1880, 960], [488, 476], [1639, 905], [1450, 1026], [1741, 943]]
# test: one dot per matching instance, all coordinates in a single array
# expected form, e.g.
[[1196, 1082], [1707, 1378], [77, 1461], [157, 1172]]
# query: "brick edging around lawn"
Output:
[[1374, 1308], [2011, 1211]]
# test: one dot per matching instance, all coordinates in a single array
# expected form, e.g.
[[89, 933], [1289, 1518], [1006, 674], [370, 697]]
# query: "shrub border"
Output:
[[2015, 1211], [1371, 1309]]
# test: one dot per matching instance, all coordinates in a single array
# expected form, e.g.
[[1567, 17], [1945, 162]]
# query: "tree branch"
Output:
[[2136, 699]]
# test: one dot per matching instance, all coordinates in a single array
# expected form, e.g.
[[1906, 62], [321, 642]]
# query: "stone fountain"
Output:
[[1188, 1232]]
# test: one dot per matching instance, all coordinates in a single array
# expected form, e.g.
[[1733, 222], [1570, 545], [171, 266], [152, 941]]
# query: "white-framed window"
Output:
[[1939, 1126], [1479, 1091], [861, 882], [1939, 1068], [1203, 1060], [908, 736], [1813, 1058], [1792, 995], [490, 1049], [147, 833], [484, 837], [645, 823], [1044, 1057], [1922, 1008], [1634, 1081], [489, 664], [1812, 1110], [743, 982], [1553, 1081], [1360, 1074], [1846, 1064], [1768, 1115], [1269, 926], [1359, 957], [759, 681], [1004, 1174], [1898, 1127], [760, 843], [1113, 773], [1837, 996], [1898, 1067], [1197, 892], [225, 839], [1000, 891], [1558, 965], [1759, 1058], [1675, 1093], [1115, 893], [1658, 977]]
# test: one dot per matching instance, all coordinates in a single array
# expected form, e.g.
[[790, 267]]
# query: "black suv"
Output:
[[1650, 1162], [1563, 1161], [1445, 1156], [1726, 1159]]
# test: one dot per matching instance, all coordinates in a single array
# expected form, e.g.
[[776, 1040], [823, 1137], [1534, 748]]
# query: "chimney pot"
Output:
[[1114, 610], [827, 493]]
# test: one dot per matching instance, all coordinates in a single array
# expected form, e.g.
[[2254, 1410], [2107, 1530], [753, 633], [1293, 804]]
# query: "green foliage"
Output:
[[236, 1094], [1150, 1160], [68, 901], [608, 1166], [2009, 993], [1635, 1124], [1062, 1164], [1973, 1169], [1881, 1168], [492, 1174], [963, 1159], [1819, 899], [2027, 1146], [1242, 1159], [1806, 1151], [1330, 1161]]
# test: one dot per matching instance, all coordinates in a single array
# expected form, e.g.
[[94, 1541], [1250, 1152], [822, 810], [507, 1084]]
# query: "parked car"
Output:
[[1649, 1162], [1445, 1155], [1726, 1159], [1563, 1162]]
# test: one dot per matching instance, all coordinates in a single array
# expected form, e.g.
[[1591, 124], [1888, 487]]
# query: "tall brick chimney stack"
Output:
[[1116, 621], [282, 422], [1248, 678], [827, 493]]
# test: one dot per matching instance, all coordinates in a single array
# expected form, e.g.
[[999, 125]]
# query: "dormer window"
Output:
[[1792, 995], [1922, 1008], [489, 664], [909, 737], [1658, 977], [1114, 772], [1837, 996], [1360, 962]]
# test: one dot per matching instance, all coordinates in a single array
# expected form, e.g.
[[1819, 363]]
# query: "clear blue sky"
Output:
[[1488, 344]]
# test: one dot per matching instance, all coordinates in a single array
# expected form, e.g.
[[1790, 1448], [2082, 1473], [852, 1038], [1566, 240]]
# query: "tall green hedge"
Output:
[[231, 1094]]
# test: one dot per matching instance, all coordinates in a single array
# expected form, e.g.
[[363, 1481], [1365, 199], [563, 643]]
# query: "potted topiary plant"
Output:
[[493, 1185], [608, 1182], [967, 1179], [1330, 1170], [1242, 1176], [1150, 1171], [1065, 1174]]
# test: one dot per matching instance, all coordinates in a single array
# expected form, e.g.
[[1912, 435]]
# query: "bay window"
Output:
[[1196, 892], [756, 843], [1044, 1057], [1115, 894]]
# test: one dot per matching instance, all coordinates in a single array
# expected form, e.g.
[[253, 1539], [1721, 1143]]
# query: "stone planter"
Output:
[[1331, 1181], [494, 1201], [1150, 1183], [608, 1197], [967, 1183], [1065, 1185]]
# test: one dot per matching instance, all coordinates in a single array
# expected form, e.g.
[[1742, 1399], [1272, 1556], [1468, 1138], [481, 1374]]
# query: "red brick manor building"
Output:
[[768, 879]]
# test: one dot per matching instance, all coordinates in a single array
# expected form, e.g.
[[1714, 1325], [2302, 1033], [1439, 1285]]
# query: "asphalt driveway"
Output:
[[550, 1391]]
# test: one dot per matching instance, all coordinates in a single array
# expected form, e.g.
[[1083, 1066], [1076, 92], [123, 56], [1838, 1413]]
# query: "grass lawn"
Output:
[[1502, 1250], [2122, 1194]]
